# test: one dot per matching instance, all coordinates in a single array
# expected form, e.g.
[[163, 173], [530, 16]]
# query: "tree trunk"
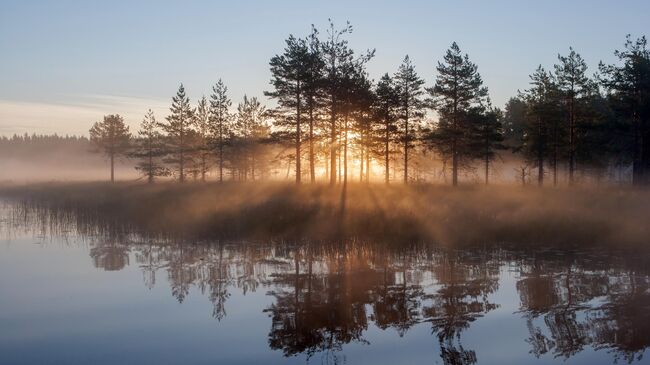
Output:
[[203, 164], [387, 152], [345, 150], [181, 148], [555, 154], [327, 169], [487, 169], [540, 170], [454, 164], [312, 168], [112, 167], [638, 162], [368, 166], [298, 134], [406, 148], [572, 138], [333, 138], [253, 166], [338, 155], [454, 148], [151, 167], [220, 159], [540, 155], [361, 164]]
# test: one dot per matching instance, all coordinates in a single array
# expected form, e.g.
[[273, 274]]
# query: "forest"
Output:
[[332, 123]]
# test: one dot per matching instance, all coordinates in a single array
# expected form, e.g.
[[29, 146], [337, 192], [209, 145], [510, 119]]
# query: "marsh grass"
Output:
[[419, 213]]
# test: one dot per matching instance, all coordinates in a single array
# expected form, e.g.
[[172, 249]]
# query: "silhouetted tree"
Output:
[[288, 77], [355, 99], [488, 136], [148, 148], [203, 132], [411, 108], [339, 64], [178, 125], [363, 99], [514, 123], [386, 104], [335, 52], [112, 136], [250, 130], [628, 86], [574, 85], [458, 87], [220, 121], [542, 121], [313, 89]]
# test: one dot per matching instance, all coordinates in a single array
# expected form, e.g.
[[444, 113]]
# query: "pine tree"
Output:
[[335, 53], [148, 149], [177, 128], [202, 143], [362, 115], [489, 135], [220, 121], [353, 96], [514, 122], [313, 89], [339, 68], [112, 136], [628, 86], [411, 107], [574, 86], [458, 88], [386, 104], [251, 130], [288, 77], [542, 119]]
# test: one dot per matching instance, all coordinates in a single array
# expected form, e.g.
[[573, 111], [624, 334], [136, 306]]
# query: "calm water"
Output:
[[73, 298]]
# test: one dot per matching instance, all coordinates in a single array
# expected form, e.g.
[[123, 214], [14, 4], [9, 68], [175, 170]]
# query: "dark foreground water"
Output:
[[72, 298]]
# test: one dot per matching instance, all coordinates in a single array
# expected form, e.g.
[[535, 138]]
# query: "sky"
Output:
[[64, 64]]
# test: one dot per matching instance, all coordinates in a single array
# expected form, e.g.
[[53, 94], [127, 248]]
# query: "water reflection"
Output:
[[325, 295], [570, 304]]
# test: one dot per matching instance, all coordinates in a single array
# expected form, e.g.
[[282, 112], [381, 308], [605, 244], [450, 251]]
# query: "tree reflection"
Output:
[[583, 303], [325, 296], [110, 255], [465, 281]]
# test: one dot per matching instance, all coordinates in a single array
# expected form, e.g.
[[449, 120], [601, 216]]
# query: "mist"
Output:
[[472, 215]]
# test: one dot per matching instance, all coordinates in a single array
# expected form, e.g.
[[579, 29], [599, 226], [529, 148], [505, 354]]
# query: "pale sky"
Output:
[[64, 64]]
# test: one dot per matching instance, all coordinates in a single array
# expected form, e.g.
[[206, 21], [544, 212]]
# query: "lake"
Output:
[[79, 296]]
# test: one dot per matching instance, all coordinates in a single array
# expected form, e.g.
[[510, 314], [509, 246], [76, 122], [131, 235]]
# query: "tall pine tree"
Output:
[[488, 138], [178, 127], [313, 90], [288, 77], [458, 88], [112, 136], [386, 104], [574, 85], [542, 116], [148, 149], [202, 143], [410, 105], [628, 87], [220, 121]]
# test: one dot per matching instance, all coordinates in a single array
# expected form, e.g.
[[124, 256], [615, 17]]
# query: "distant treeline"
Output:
[[35, 144], [333, 123], [30, 158]]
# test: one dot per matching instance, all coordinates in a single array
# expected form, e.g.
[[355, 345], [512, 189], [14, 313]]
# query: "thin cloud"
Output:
[[76, 117]]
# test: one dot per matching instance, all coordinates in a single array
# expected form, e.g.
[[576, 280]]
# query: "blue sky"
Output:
[[64, 64]]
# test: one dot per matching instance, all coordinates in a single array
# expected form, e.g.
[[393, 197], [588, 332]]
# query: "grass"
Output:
[[440, 214]]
